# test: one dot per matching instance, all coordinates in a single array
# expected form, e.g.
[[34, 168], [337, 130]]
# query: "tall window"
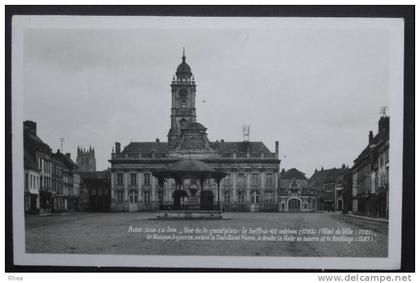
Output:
[[254, 179], [269, 197], [241, 197], [26, 180], [147, 179], [160, 196], [255, 197], [269, 179], [133, 178], [120, 196], [27, 202], [182, 123], [133, 196], [120, 179], [226, 197], [147, 196], [228, 179], [241, 180]]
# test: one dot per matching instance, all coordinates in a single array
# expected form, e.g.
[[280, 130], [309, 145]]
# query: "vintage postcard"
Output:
[[234, 142]]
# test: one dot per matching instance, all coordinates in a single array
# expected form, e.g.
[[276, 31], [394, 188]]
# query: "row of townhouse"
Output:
[[370, 188], [330, 186], [323, 191], [52, 182]]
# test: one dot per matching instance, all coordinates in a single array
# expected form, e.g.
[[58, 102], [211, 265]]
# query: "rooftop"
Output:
[[332, 175], [223, 147]]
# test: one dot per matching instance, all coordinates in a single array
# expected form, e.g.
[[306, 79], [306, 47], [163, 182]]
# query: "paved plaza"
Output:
[[112, 233]]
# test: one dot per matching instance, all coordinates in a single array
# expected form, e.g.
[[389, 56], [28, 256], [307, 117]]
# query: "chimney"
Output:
[[343, 166], [370, 137], [277, 148], [68, 155], [117, 148], [157, 140], [30, 126]]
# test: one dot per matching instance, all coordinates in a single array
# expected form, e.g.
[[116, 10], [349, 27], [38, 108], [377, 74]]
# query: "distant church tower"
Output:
[[86, 159], [183, 101]]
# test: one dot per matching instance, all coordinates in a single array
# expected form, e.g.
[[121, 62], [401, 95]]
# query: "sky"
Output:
[[316, 90]]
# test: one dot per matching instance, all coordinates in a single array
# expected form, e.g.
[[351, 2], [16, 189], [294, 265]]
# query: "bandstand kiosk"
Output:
[[196, 204]]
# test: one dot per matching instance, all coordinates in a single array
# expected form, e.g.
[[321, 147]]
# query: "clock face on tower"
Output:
[[183, 93]]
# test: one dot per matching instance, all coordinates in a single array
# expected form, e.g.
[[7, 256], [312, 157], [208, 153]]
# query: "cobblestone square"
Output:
[[109, 233]]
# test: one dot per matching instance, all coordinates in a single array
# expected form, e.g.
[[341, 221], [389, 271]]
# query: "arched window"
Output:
[[182, 123], [255, 197], [133, 196]]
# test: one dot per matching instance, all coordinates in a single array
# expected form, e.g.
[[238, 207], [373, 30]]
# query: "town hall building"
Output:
[[252, 169]]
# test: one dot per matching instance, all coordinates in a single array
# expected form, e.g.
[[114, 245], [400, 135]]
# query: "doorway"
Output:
[[294, 205], [339, 204]]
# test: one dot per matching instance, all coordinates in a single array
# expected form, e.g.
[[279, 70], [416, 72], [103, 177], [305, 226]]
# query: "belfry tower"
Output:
[[183, 101], [86, 159]]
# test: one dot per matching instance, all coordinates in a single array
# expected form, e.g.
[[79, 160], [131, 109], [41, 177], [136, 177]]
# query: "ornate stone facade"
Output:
[[294, 193], [251, 183]]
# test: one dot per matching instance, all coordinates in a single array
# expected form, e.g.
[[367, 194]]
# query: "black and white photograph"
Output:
[[235, 142]]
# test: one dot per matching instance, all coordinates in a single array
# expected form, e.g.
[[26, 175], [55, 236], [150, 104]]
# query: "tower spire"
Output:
[[183, 54]]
